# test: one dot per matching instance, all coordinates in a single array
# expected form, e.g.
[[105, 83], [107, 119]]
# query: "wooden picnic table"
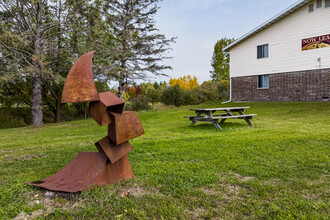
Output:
[[207, 115]]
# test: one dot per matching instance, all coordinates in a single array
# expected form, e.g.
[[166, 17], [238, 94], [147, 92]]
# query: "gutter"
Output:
[[229, 81], [229, 93]]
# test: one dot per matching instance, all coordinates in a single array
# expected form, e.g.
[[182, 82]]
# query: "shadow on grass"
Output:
[[200, 126]]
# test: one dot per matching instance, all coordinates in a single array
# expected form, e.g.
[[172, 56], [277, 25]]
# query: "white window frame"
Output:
[[263, 78], [311, 8], [263, 54]]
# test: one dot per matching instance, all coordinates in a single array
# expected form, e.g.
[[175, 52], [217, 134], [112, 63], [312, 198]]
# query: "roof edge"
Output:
[[269, 22]]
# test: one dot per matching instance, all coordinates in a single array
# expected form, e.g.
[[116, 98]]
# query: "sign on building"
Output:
[[316, 42]]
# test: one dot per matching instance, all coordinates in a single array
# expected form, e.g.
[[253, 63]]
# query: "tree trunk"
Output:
[[36, 103], [58, 112], [58, 54], [36, 99], [121, 89], [122, 79]]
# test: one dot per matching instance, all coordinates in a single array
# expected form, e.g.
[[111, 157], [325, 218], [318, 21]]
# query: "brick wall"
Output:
[[309, 85]]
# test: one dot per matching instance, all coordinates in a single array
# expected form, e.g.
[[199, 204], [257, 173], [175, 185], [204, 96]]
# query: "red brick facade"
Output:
[[309, 85]]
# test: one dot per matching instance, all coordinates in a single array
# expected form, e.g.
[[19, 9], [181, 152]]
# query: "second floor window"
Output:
[[327, 3], [262, 51], [311, 8]]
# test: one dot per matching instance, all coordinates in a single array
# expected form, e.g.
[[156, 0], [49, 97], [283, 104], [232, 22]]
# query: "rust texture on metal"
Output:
[[114, 172], [99, 110], [114, 152], [79, 85], [112, 102], [125, 127], [110, 165], [77, 175]]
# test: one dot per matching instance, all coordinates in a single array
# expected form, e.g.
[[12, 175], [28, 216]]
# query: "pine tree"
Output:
[[139, 47], [23, 43], [39, 41]]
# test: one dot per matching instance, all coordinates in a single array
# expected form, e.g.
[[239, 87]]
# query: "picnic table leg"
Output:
[[249, 122], [193, 121], [222, 121], [246, 119], [215, 122]]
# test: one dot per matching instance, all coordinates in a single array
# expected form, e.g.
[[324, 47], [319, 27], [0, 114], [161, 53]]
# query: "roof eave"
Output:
[[269, 22]]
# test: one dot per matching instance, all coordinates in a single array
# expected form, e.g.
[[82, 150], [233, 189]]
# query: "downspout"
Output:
[[229, 83]]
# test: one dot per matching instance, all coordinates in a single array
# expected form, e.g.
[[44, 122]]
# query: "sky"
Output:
[[198, 24]]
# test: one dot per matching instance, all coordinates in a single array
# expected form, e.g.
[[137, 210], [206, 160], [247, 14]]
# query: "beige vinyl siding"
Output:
[[284, 39]]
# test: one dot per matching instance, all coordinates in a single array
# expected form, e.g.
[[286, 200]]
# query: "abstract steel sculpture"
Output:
[[110, 165]]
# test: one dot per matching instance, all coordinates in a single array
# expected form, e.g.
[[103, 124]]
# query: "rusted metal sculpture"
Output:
[[110, 165], [100, 111], [79, 85]]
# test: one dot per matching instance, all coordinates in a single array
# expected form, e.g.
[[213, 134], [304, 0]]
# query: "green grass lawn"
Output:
[[278, 170]]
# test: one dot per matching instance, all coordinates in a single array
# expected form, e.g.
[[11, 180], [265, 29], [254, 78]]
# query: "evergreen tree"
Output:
[[156, 85], [39, 41], [23, 45], [139, 47], [220, 60]]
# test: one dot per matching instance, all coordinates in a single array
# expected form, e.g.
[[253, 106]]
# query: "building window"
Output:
[[262, 51], [263, 82], [319, 3], [311, 8], [327, 3]]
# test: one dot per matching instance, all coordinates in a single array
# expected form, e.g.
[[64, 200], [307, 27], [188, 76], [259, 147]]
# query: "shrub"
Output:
[[73, 111], [211, 92], [153, 94], [14, 117], [173, 96], [207, 92], [191, 97], [223, 88], [139, 103]]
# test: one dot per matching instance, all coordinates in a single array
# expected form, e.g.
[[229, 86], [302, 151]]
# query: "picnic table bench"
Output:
[[207, 115]]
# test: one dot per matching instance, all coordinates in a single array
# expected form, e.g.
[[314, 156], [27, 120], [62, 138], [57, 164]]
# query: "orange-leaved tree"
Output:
[[185, 82], [131, 92]]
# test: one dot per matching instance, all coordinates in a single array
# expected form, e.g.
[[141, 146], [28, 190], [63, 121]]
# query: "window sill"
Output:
[[263, 88]]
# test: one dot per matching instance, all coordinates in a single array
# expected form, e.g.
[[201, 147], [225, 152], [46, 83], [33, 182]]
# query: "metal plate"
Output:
[[115, 172], [99, 110], [126, 126], [79, 85], [114, 152], [111, 101], [77, 175]]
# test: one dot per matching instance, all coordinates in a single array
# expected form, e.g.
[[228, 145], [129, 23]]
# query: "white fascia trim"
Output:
[[271, 21]]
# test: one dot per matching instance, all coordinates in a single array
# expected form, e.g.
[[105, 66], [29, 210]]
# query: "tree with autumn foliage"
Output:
[[185, 82], [132, 92]]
